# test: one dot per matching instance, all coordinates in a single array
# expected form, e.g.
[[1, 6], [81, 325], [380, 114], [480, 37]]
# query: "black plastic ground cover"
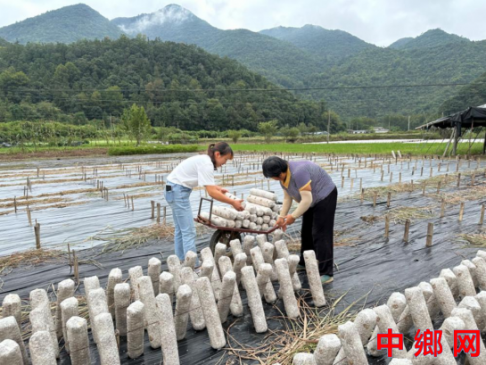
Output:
[[371, 267]]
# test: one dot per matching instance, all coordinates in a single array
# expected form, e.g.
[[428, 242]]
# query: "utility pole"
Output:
[[328, 125]]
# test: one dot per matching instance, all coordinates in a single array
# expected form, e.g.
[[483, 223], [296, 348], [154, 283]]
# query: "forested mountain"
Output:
[[279, 61], [400, 43], [473, 94], [64, 25], [3, 42], [179, 85], [460, 62], [330, 45], [429, 39]]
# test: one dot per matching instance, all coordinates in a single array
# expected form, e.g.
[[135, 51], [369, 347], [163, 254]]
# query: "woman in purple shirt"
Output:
[[309, 185]]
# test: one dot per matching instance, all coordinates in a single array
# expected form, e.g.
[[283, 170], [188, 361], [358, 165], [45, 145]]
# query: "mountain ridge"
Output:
[[64, 25]]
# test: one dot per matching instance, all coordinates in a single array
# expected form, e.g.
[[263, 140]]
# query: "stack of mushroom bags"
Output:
[[260, 212]]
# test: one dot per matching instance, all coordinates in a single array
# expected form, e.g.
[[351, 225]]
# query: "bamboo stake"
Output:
[[407, 230], [458, 180], [388, 200], [461, 212], [133, 205], [158, 213], [37, 236], [15, 204], [29, 218], [430, 234], [152, 206], [387, 226], [165, 215], [481, 217], [442, 208]]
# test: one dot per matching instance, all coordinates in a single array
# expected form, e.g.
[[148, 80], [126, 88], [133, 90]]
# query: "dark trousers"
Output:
[[318, 233]]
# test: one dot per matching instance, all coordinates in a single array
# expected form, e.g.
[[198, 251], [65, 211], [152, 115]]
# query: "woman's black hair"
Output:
[[222, 147], [274, 166]]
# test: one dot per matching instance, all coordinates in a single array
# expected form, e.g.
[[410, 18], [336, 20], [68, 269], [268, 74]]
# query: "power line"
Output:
[[398, 86]]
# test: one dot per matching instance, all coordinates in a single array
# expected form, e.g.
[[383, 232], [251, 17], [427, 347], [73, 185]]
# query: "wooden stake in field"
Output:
[[29, 218], [133, 205], [152, 206], [350, 188], [37, 236], [407, 230], [442, 208], [388, 200], [342, 182], [481, 217], [399, 177], [461, 212], [15, 204], [387, 226], [382, 173], [438, 187], [391, 177], [158, 213], [362, 196], [430, 234], [458, 180]]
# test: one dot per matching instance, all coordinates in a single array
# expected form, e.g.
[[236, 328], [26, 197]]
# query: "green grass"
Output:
[[149, 149], [359, 148]]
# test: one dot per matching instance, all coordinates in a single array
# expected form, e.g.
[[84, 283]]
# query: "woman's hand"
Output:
[[237, 205], [289, 219], [280, 222]]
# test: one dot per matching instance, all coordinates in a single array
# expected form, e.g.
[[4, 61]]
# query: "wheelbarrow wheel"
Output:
[[223, 237]]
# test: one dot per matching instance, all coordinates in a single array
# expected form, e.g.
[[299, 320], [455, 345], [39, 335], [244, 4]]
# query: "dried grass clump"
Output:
[[401, 214], [297, 335], [134, 237], [457, 197], [474, 239], [29, 258]]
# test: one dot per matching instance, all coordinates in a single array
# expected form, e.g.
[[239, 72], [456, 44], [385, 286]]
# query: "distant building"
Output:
[[360, 131], [380, 130]]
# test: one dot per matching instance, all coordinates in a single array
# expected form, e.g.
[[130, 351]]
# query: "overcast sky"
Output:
[[376, 21]]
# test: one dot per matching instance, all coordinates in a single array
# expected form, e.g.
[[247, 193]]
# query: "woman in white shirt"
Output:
[[192, 172]]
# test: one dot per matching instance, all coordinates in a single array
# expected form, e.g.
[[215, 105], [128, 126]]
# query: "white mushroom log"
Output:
[[260, 209], [261, 201], [225, 212], [217, 221], [264, 194]]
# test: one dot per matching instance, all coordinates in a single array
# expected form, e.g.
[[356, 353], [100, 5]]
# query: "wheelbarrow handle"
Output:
[[210, 208]]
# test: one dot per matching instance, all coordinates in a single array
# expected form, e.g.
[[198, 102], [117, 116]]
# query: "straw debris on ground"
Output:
[[29, 258], [296, 335], [474, 239], [132, 238]]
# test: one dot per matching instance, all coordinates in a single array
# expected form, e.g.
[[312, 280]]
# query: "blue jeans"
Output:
[[184, 228]]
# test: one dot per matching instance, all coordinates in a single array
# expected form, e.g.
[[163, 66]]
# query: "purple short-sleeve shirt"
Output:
[[301, 173]]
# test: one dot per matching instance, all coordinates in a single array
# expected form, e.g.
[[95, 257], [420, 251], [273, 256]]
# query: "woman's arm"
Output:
[[304, 205], [217, 193], [287, 203]]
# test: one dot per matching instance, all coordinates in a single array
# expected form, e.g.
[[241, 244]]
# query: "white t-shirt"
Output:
[[194, 171]]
